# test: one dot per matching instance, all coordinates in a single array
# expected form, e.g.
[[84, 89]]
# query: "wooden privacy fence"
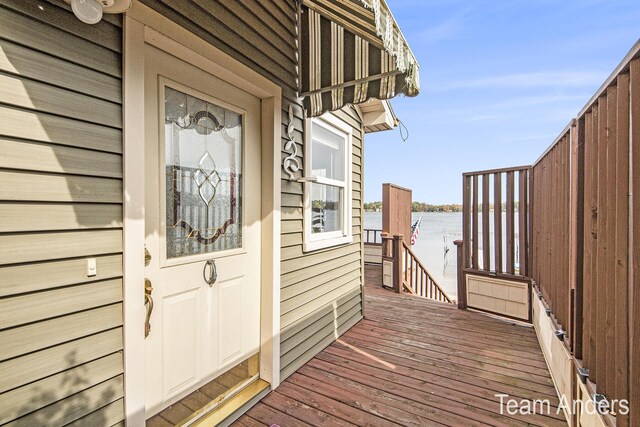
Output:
[[578, 240], [551, 224], [396, 210], [586, 246]]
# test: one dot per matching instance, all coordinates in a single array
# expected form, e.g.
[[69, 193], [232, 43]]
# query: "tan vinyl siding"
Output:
[[318, 330], [321, 291], [61, 203], [259, 34]]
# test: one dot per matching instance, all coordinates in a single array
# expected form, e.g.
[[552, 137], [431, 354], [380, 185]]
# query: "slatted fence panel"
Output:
[[495, 221]]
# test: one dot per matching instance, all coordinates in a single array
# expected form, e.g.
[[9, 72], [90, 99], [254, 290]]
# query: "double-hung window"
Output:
[[327, 207]]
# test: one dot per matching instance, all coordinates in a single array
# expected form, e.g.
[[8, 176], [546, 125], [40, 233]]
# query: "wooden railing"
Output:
[[416, 279], [409, 274], [372, 236]]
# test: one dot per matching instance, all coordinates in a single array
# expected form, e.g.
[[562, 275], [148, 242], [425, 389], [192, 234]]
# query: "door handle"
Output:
[[211, 276], [148, 302]]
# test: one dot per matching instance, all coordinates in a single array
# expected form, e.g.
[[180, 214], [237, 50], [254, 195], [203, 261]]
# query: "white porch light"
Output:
[[90, 11]]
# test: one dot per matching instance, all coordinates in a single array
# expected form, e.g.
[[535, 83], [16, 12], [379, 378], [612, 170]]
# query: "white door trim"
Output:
[[144, 26]]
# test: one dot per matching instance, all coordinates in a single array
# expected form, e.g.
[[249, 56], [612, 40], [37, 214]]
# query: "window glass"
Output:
[[203, 148], [326, 208], [327, 157]]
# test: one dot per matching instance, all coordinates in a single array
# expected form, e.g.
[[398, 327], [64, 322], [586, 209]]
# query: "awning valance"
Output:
[[352, 51]]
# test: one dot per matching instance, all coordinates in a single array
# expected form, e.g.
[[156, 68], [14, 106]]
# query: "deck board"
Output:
[[415, 362]]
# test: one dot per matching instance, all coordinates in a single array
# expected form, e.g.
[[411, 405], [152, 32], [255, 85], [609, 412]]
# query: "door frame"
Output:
[[144, 26]]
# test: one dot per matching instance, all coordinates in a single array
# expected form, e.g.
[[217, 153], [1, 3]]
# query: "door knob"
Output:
[[148, 302], [210, 272]]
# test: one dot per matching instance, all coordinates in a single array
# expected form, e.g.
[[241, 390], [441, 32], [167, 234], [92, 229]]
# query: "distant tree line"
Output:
[[417, 207], [426, 207], [373, 207]]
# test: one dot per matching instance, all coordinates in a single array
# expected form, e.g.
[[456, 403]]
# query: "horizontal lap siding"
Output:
[[320, 292], [61, 202], [262, 35]]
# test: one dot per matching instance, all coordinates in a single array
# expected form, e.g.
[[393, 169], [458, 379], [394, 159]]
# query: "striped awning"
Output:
[[352, 51]]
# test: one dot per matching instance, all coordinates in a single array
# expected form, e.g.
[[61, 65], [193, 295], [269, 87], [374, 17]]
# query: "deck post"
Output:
[[385, 237], [462, 285], [397, 262]]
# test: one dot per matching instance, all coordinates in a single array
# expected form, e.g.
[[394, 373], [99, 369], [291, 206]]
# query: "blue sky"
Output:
[[499, 81]]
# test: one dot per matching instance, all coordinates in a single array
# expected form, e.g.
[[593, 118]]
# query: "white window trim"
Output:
[[325, 240]]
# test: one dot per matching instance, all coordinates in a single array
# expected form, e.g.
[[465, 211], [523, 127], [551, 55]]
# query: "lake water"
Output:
[[437, 233]]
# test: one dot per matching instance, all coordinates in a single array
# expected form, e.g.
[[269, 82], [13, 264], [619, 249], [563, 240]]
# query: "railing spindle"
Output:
[[486, 255], [523, 201], [497, 220], [474, 224], [413, 272], [510, 224], [466, 220]]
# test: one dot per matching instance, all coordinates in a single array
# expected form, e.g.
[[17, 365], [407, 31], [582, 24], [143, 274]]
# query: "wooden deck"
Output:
[[415, 362]]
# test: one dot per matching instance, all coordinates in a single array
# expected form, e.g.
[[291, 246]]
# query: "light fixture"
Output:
[[90, 11]]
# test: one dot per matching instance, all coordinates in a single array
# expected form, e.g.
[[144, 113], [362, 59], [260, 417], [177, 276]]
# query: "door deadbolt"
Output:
[[209, 272]]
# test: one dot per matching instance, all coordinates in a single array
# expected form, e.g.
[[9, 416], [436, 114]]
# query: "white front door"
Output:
[[202, 221]]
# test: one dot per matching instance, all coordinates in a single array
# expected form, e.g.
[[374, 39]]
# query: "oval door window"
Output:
[[203, 152]]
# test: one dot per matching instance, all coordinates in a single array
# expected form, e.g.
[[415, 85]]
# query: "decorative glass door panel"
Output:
[[202, 219], [203, 152]]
